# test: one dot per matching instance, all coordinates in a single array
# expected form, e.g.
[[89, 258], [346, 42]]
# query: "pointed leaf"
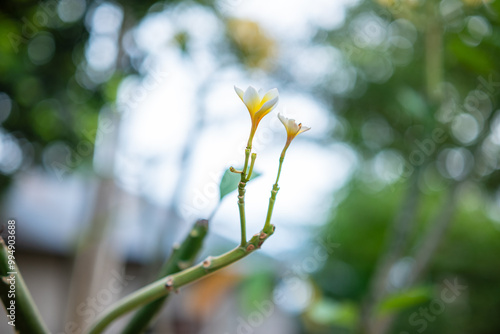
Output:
[[405, 299], [230, 181]]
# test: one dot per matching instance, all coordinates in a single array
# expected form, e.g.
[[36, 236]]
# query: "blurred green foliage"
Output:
[[398, 114]]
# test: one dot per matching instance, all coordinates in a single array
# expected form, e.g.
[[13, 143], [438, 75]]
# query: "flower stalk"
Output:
[[272, 199], [293, 130]]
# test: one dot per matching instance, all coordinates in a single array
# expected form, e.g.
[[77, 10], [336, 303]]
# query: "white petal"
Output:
[[251, 99], [304, 129], [273, 93], [292, 126], [240, 92], [269, 106], [282, 118]]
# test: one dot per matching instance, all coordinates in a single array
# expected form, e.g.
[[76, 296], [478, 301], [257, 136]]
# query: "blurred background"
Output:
[[119, 118]]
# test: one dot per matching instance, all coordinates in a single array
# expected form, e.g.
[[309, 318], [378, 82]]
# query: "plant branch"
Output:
[[164, 286], [27, 317], [182, 257]]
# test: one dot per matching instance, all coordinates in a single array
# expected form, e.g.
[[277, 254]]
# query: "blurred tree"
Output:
[[421, 116]]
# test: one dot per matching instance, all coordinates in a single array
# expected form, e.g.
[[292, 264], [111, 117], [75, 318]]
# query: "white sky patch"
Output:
[[307, 111], [158, 31], [157, 120], [163, 112], [153, 33], [106, 18], [101, 52], [199, 22], [314, 64], [222, 108], [292, 20]]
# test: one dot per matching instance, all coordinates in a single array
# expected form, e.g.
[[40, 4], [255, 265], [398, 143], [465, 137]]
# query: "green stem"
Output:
[[241, 207], [27, 317], [182, 257], [282, 158], [272, 199], [164, 286], [241, 193], [244, 174], [252, 163]]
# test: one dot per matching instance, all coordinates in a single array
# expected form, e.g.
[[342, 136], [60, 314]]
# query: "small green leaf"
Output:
[[405, 299], [230, 181], [328, 312]]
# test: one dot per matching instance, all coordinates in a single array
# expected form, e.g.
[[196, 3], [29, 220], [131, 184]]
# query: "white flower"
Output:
[[259, 104], [292, 129]]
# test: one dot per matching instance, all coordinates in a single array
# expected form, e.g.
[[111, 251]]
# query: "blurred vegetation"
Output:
[[421, 102], [414, 89]]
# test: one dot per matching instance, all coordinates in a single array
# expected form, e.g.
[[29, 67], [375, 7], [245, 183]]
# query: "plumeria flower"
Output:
[[292, 130], [259, 104]]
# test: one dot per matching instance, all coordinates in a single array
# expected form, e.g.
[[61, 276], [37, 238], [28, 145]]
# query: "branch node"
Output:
[[207, 263], [169, 284], [234, 170]]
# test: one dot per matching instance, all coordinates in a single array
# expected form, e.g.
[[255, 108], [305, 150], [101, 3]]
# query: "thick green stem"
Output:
[[173, 282], [182, 257], [272, 199], [27, 319]]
